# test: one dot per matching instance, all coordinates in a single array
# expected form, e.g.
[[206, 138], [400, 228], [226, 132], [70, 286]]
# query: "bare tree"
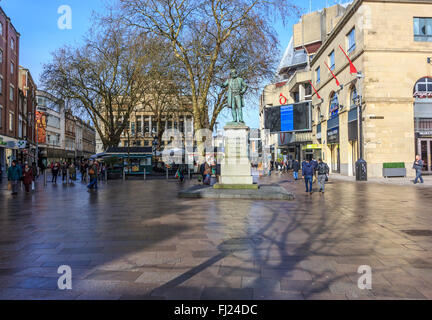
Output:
[[106, 77], [208, 37]]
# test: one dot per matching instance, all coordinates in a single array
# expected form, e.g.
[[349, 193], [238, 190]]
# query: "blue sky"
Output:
[[36, 21]]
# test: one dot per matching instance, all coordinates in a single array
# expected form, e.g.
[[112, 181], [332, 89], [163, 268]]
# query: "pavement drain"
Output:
[[418, 233]]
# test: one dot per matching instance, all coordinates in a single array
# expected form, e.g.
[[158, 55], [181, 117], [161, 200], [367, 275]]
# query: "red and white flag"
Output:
[[337, 81], [318, 96]]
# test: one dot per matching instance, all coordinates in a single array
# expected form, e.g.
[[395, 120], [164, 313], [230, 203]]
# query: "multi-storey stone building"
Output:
[[390, 44], [292, 81]]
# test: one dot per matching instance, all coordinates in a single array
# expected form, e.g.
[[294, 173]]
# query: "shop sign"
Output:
[[2, 143], [425, 133], [22, 144], [423, 94], [333, 136], [311, 147]]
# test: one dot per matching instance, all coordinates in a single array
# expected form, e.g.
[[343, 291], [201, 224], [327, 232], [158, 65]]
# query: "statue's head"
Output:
[[233, 73]]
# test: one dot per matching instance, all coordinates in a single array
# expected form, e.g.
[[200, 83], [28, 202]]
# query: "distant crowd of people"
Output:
[[22, 173]]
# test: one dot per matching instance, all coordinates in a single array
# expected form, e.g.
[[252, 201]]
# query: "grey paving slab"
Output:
[[137, 240]]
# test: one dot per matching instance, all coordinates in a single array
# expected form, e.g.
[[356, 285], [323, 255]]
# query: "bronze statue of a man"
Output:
[[236, 89]]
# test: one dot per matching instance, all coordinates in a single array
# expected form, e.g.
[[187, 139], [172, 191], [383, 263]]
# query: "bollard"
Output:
[[87, 178], [45, 178], [144, 173], [189, 173], [166, 173], [67, 177], [124, 175], [106, 175]]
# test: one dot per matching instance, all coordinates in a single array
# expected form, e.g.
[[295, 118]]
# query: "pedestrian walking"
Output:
[[322, 170], [84, 167], [296, 168], [315, 164], [93, 173], [35, 171], [308, 172], [72, 172], [55, 171], [418, 166], [64, 169], [14, 177], [28, 177]]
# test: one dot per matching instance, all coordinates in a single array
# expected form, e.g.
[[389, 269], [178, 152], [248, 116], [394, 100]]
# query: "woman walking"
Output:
[[27, 177]]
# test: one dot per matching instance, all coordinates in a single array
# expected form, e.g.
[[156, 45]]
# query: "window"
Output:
[[1, 85], [12, 68], [1, 116], [11, 93], [1, 56], [139, 124], [12, 44], [423, 29], [11, 120], [147, 125], [334, 106], [422, 86], [20, 127], [1, 29], [353, 97], [318, 74], [332, 60], [351, 40]]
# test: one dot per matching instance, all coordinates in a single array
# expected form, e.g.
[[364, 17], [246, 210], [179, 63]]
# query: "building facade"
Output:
[[26, 116], [62, 136], [292, 81], [9, 72], [143, 127], [389, 43], [392, 53]]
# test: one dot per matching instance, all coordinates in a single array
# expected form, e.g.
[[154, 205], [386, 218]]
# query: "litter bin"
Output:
[[361, 170]]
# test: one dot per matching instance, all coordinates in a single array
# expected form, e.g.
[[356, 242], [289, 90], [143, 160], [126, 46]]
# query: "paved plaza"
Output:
[[137, 240]]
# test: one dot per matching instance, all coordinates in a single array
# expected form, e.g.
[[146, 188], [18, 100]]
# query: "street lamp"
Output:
[[361, 164]]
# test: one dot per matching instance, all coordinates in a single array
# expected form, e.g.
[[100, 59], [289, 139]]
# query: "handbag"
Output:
[[326, 179], [9, 187]]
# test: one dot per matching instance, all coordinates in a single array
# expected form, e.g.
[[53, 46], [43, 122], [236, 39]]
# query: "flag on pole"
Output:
[[352, 67], [319, 97], [337, 81]]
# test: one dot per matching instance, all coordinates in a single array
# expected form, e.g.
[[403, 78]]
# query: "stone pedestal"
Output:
[[236, 167]]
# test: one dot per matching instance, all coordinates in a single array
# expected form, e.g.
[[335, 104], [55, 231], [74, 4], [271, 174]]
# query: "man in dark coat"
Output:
[[308, 172], [14, 176]]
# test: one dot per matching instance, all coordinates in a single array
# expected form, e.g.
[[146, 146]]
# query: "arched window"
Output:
[[423, 85], [353, 97], [334, 105]]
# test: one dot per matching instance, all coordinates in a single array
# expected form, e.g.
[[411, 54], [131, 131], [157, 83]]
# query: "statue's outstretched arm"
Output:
[[225, 84]]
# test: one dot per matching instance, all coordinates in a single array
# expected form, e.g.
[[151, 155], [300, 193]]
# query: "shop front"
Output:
[[312, 151]]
